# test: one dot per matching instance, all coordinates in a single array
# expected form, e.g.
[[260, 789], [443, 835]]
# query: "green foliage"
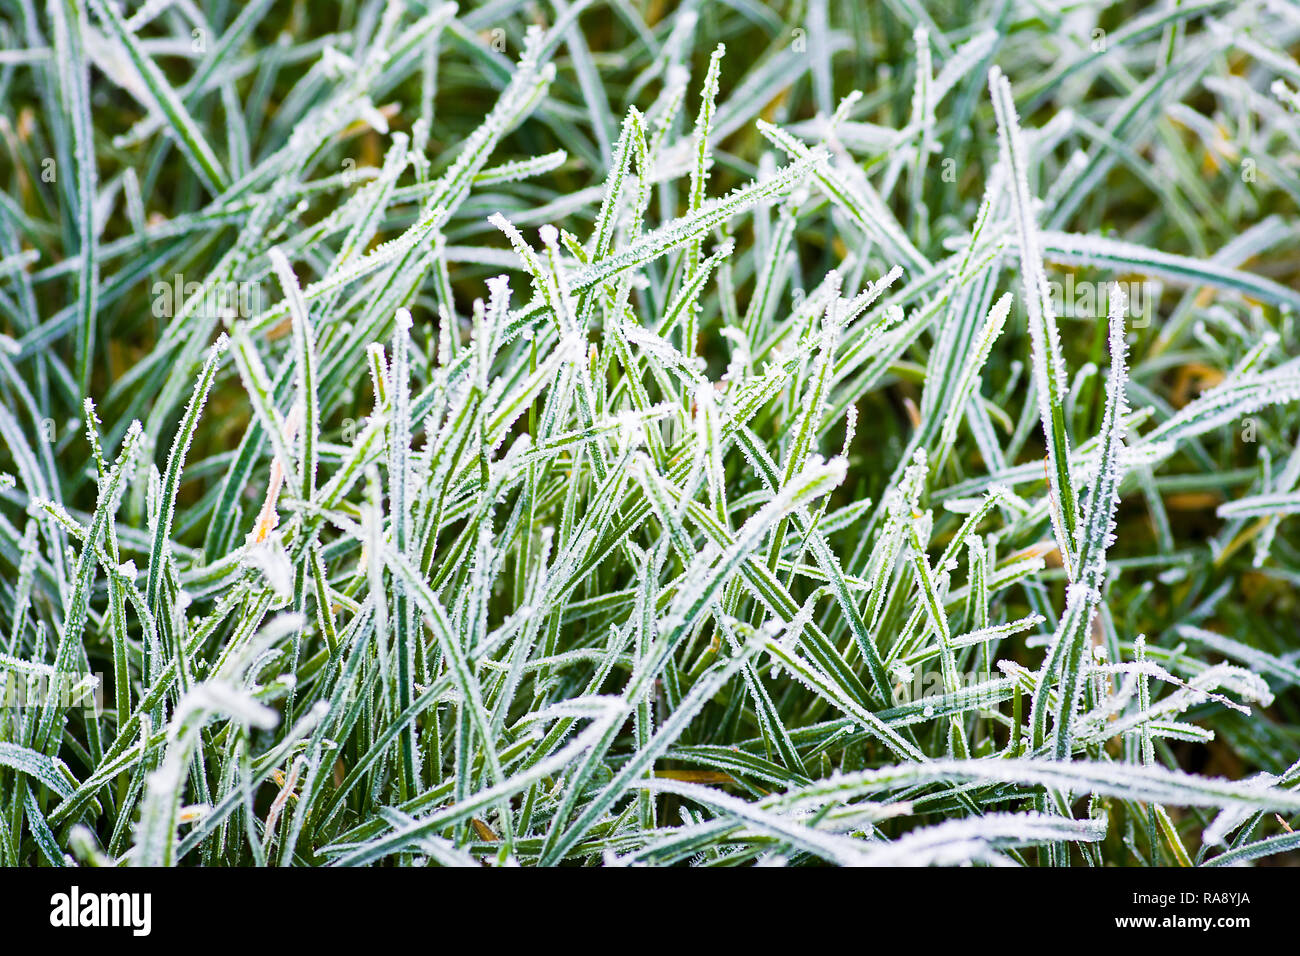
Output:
[[622, 433]]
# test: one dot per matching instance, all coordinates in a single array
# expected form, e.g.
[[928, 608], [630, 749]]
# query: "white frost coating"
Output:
[[525, 504], [1048, 365]]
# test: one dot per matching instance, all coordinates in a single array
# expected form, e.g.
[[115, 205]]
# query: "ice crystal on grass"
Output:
[[600, 444]]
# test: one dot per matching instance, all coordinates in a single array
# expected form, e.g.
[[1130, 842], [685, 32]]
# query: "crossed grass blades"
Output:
[[633, 417]]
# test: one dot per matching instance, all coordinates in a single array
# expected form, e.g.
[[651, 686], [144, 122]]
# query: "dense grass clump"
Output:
[[626, 432]]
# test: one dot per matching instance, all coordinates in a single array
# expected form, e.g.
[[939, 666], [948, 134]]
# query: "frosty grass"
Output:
[[635, 433]]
